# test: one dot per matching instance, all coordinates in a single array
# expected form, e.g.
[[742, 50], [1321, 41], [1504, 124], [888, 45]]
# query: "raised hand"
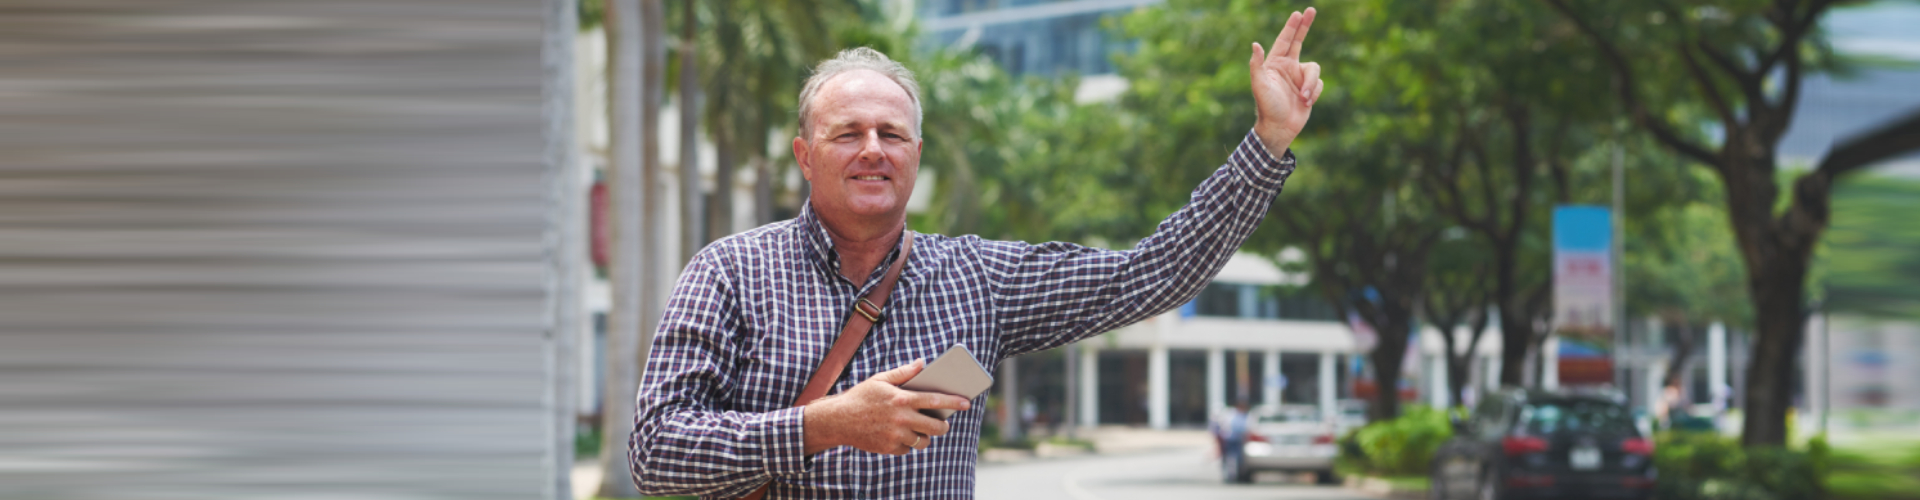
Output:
[[1284, 89], [878, 416]]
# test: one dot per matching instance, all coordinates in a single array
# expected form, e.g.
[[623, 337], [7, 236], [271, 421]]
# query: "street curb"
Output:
[[1381, 488]]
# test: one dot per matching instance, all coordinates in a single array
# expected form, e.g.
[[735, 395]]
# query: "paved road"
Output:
[[1184, 474]]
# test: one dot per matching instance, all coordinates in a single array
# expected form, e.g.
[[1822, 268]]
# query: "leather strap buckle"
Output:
[[872, 312]]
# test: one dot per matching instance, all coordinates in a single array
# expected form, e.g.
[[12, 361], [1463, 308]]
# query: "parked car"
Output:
[[1523, 444], [1353, 415], [1287, 439]]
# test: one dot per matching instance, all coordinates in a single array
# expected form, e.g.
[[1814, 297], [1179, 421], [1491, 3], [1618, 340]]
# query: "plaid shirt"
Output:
[[754, 313]]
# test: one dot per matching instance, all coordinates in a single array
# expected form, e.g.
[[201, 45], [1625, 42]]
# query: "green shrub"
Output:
[[1708, 466], [1403, 446]]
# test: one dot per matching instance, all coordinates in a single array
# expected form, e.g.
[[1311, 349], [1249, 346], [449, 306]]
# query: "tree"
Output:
[[1354, 208], [1743, 62], [1370, 261], [636, 72], [752, 57], [1680, 263], [1459, 293], [1501, 132]]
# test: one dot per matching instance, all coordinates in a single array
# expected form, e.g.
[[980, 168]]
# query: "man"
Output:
[[754, 314], [1230, 433]]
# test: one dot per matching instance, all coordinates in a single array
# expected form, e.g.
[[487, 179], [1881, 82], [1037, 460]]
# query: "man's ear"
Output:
[[800, 156]]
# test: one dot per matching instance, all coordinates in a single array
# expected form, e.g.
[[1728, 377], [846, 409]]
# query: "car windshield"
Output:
[[1576, 417]]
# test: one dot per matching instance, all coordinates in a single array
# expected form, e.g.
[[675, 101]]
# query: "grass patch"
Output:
[[1882, 469]]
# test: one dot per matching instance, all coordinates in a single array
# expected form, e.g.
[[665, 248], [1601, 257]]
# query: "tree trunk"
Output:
[[1779, 296], [1682, 355], [693, 201], [1386, 360], [1516, 341], [762, 191], [720, 212], [1777, 252], [636, 70]]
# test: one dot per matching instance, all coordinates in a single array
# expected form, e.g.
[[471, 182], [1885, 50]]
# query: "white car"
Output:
[[1289, 439]]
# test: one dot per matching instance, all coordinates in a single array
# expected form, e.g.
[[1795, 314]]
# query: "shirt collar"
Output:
[[819, 244]]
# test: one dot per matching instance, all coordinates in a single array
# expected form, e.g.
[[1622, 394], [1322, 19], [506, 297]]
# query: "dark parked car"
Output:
[[1523, 444]]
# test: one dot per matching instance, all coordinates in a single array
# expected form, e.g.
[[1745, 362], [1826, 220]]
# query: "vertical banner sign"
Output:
[[1583, 293]]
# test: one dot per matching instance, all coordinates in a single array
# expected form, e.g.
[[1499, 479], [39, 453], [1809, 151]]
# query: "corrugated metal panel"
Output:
[[270, 249]]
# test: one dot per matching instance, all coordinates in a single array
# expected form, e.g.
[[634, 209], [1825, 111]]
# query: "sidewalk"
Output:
[[1105, 439]]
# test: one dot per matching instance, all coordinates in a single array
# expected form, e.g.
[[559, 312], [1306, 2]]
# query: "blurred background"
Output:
[[414, 248]]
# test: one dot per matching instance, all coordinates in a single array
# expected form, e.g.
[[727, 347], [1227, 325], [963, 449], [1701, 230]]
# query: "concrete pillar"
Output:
[[1550, 363], [1010, 400], [1089, 386], [1270, 378], [1656, 373], [1492, 379], [1329, 399], [1437, 375], [1216, 381], [1157, 387], [1717, 367]]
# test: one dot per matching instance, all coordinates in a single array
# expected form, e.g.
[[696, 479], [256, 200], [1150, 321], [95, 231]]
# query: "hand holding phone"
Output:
[[955, 373]]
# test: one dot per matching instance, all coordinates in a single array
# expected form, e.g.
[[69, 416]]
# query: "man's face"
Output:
[[860, 152]]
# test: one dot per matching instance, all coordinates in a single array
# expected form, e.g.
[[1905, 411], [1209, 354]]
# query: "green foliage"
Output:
[[1867, 258], [1682, 263], [586, 441], [1708, 466], [1403, 446]]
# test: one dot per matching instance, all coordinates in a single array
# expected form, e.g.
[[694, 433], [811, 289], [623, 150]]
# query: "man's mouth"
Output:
[[869, 177]]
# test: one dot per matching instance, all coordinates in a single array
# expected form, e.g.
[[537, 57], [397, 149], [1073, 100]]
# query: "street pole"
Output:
[[1010, 400], [1621, 358], [565, 243], [1071, 417]]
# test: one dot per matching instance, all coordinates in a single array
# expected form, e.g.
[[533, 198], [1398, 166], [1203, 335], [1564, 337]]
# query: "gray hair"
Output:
[[858, 58]]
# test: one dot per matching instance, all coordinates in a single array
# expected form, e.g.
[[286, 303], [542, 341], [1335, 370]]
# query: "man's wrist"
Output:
[[813, 431], [1275, 138]]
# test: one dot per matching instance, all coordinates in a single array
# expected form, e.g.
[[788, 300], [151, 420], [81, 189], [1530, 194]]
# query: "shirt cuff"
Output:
[[1259, 166], [782, 446]]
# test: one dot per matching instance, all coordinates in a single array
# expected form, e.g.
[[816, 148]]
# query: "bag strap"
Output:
[[867, 311]]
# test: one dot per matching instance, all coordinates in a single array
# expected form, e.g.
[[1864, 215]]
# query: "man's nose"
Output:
[[870, 147]]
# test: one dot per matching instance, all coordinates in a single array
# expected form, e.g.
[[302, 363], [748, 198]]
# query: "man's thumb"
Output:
[[902, 374]]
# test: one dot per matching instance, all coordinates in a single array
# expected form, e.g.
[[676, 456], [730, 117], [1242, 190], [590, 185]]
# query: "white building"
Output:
[[1255, 332]]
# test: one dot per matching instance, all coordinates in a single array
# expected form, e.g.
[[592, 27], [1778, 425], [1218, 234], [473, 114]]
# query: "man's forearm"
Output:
[[1055, 294], [697, 453], [1192, 244]]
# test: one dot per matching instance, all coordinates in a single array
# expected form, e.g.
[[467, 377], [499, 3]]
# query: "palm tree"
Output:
[[752, 58]]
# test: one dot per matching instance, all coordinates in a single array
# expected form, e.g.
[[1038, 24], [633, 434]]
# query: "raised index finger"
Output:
[[1300, 34]]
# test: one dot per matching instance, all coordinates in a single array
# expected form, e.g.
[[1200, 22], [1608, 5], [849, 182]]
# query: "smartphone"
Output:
[[956, 373]]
